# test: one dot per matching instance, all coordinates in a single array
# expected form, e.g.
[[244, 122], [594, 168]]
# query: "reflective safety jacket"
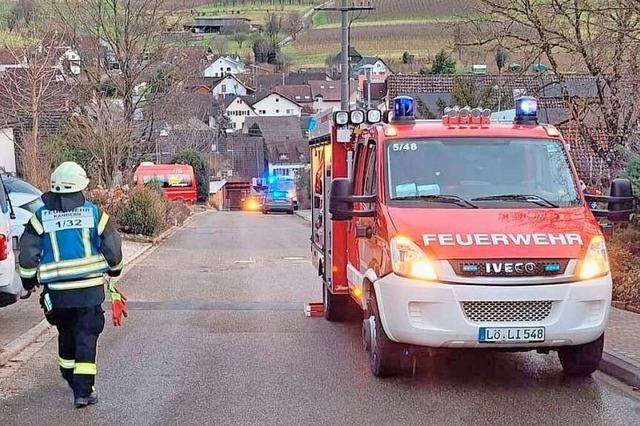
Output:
[[68, 246]]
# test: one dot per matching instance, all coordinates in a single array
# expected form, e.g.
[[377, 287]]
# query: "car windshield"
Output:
[[480, 172]]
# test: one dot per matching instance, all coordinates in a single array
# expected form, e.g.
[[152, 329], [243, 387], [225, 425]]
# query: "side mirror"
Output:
[[619, 202], [341, 203], [621, 205]]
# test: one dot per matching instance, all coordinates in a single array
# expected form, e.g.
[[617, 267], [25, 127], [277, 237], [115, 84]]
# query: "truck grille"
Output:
[[517, 311]]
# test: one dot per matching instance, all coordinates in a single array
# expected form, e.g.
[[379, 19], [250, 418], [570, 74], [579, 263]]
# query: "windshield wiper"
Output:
[[451, 199], [536, 199]]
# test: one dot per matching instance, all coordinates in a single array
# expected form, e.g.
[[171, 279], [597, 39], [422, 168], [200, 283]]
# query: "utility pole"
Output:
[[345, 70]]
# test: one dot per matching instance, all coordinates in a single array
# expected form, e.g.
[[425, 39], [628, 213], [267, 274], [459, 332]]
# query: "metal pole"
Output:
[[369, 89], [344, 60]]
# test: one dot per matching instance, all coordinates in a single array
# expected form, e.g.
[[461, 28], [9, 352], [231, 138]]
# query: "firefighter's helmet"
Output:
[[68, 178]]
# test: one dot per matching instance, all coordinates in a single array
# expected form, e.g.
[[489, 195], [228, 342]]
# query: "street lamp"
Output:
[[368, 67]]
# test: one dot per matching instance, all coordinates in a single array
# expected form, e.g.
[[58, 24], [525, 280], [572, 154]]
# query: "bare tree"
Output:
[[128, 68], [219, 45], [272, 26], [28, 93], [598, 37], [293, 24]]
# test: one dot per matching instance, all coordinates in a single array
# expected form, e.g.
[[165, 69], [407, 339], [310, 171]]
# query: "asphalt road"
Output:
[[216, 335]]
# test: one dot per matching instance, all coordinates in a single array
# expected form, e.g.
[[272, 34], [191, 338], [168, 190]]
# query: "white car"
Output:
[[10, 285], [25, 200]]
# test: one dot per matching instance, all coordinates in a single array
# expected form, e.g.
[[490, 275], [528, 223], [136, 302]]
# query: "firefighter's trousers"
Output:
[[78, 330]]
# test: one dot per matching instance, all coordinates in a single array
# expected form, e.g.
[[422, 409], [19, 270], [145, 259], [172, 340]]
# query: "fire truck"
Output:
[[460, 233]]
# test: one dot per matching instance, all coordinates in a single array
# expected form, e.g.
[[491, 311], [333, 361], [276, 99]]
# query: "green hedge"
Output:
[[145, 212]]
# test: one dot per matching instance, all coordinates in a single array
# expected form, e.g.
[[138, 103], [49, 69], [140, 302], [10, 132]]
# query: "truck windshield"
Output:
[[480, 172]]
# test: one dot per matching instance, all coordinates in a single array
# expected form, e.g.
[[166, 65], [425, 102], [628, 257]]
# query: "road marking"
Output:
[[294, 258], [215, 306], [250, 260]]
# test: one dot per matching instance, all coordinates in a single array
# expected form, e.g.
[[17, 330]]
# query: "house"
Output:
[[70, 62], [7, 149], [216, 24], [224, 65], [301, 94], [286, 145], [326, 95], [9, 59], [378, 94], [335, 62], [230, 86], [247, 154], [370, 68], [237, 109], [273, 104]]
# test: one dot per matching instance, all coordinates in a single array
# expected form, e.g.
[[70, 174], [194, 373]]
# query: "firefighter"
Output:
[[68, 247]]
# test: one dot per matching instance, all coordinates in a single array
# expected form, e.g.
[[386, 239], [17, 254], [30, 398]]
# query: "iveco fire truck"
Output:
[[460, 233]]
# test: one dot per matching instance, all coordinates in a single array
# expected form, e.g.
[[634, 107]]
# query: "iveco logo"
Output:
[[510, 268]]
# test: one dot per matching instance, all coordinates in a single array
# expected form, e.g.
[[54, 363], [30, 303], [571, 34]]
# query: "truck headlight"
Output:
[[409, 260], [596, 262]]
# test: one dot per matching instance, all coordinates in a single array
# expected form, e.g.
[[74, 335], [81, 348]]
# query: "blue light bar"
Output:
[[526, 110], [403, 109]]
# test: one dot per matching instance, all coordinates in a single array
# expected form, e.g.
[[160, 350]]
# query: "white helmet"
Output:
[[68, 178]]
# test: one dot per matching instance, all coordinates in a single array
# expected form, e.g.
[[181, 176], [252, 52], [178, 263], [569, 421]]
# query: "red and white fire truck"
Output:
[[460, 233]]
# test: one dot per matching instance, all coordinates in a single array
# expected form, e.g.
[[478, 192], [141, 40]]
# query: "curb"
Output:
[[18, 344], [301, 216], [620, 369]]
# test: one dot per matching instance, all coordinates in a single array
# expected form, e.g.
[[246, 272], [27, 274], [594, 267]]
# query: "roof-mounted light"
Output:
[[356, 117], [374, 116], [341, 118], [403, 109], [526, 110], [466, 116]]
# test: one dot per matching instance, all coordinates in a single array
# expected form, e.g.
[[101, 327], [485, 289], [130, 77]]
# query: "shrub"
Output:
[[112, 201], [625, 269], [633, 173], [195, 160], [145, 212]]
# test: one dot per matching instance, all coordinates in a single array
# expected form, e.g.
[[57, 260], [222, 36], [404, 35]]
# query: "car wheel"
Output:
[[582, 360], [384, 354], [289, 211]]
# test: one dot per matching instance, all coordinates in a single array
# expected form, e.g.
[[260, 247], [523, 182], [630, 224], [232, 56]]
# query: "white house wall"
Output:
[[223, 66], [276, 106], [229, 86], [237, 112], [7, 150]]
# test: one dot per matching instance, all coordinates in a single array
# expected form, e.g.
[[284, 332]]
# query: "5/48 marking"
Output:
[[404, 146]]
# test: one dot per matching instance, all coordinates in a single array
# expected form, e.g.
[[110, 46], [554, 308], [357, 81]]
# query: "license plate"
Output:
[[510, 334]]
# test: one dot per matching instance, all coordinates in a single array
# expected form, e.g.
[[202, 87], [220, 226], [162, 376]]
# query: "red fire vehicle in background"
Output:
[[177, 180], [459, 233]]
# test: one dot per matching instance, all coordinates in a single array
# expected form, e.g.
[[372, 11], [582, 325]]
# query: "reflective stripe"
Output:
[[66, 363], [119, 266], [36, 225], [54, 246], [75, 272], [28, 272], [73, 285], [71, 263], [85, 368], [86, 241], [103, 223]]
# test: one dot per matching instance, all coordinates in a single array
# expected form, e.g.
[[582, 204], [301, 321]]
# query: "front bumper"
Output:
[[431, 314]]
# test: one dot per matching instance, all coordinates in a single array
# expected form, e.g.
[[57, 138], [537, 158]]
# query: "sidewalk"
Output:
[[17, 319], [304, 214], [622, 347]]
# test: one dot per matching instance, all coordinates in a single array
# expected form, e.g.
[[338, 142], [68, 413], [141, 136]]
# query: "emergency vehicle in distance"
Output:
[[177, 180], [459, 233]]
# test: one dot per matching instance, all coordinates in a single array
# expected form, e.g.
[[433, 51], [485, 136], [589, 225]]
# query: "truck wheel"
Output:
[[384, 354], [337, 307], [582, 360]]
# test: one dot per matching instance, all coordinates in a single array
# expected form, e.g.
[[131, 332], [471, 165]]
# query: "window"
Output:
[[277, 99], [370, 171], [229, 69], [277, 111], [478, 169], [289, 111], [223, 88]]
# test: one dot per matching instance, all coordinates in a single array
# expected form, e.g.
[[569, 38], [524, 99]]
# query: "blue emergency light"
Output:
[[526, 110], [403, 109]]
